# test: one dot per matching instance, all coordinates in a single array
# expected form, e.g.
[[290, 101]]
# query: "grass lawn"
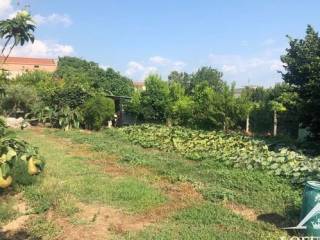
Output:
[[105, 187]]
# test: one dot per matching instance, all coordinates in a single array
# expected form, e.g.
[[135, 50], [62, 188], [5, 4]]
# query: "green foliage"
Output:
[[68, 118], [209, 77], [12, 152], [182, 111], [231, 148], [43, 82], [155, 99], [301, 63], [62, 117], [213, 109], [182, 78], [90, 75], [116, 83], [19, 99], [70, 96], [18, 29], [97, 111]]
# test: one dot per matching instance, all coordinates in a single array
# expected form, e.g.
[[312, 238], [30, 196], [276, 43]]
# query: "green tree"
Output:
[[180, 106], [89, 75], [209, 113], [208, 76], [18, 99], [302, 72], [182, 78], [118, 84], [155, 99], [16, 31]]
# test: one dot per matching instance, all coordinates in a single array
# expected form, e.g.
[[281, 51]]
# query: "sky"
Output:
[[242, 38]]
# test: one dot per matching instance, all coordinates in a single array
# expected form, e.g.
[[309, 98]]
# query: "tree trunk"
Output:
[[5, 45], [248, 124], [6, 58], [169, 122], [275, 123]]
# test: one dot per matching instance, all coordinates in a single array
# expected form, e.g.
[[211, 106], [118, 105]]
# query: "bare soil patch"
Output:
[[245, 212], [15, 229]]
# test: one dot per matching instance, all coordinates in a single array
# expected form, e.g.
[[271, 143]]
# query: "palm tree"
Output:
[[18, 31]]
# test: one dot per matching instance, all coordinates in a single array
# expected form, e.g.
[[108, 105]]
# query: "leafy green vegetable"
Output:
[[230, 148]]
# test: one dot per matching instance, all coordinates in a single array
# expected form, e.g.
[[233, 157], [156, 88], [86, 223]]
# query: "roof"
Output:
[[29, 61], [138, 84]]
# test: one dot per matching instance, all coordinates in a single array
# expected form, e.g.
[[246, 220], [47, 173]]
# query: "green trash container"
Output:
[[311, 196]]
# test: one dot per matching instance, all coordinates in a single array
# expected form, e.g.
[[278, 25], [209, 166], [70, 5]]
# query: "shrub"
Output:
[[97, 111], [18, 99], [71, 96]]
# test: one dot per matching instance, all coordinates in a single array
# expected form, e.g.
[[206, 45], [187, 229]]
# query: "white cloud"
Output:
[[5, 8], [156, 64], [105, 67], [228, 68], [133, 68], [43, 49], [159, 60], [54, 18], [168, 63], [277, 65], [261, 70], [139, 71], [178, 65]]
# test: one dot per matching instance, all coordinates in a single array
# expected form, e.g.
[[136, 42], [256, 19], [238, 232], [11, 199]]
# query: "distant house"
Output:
[[238, 91], [18, 65], [139, 86]]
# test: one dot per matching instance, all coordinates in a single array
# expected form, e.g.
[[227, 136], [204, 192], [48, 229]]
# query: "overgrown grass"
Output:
[[69, 177], [208, 221], [7, 212], [266, 194], [41, 228], [257, 189]]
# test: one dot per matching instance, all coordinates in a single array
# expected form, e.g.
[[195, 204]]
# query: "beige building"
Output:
[[139, 86], [18, 65]]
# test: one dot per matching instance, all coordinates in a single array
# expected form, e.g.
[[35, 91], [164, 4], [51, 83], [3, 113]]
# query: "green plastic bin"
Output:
[[311, 196]]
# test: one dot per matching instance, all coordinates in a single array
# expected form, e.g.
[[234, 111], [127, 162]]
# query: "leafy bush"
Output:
[[97, 111], [18, 99], [155, 99], [231, 148], [65, 117], [71, 96], [68, 118]]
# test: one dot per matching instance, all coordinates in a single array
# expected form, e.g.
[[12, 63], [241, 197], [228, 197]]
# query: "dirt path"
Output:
[[95, 222]]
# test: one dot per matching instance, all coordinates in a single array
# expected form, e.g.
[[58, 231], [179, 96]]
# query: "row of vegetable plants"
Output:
[[231, 148]]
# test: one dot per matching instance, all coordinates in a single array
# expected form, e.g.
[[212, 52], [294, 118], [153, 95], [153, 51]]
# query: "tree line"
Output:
[[200, 100]]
